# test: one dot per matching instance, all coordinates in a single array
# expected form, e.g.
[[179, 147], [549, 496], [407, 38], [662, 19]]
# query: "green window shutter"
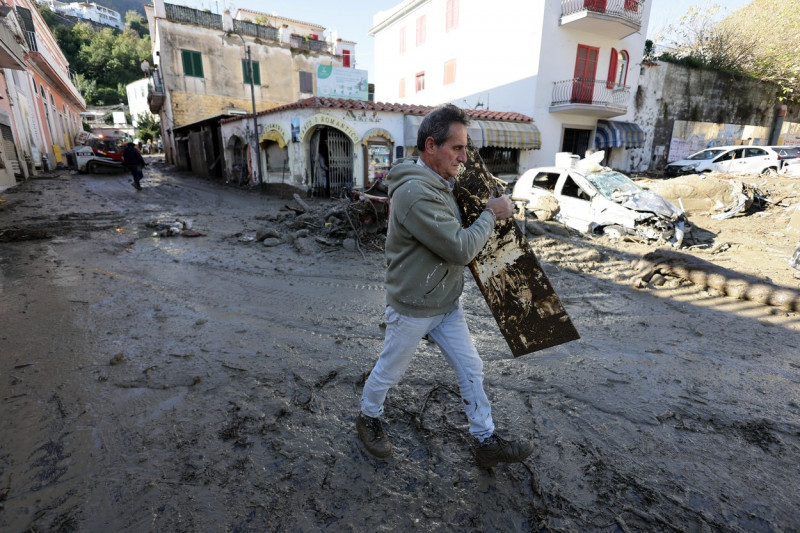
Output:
[[192, 63], [256, 73], [198, 64]]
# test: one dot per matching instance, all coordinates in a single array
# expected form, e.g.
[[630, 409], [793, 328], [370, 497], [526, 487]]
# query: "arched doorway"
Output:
[[330, 162]]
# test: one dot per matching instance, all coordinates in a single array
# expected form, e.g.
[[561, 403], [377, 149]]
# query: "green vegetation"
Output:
[[760, 40], [104, 60]]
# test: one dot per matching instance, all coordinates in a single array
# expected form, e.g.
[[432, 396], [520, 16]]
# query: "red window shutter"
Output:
[[346, 58], [612, 69]]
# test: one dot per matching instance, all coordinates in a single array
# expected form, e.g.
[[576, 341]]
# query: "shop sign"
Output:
[[321, 119]]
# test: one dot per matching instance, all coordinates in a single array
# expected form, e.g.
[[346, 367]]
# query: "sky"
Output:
[[353, 18]]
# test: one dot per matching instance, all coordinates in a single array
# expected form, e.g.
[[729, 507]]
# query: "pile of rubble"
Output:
[[356, 223]]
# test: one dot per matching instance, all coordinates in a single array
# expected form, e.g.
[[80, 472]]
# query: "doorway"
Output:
[[331, 162], [576, 141]]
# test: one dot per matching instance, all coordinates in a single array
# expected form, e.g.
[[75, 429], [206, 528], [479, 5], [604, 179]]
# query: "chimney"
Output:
[[227, 21]]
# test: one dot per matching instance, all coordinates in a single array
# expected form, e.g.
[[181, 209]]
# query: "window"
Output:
[[421, 30], [346, 58], [256, 72], [192, 63], [450, 72], [452, 15], [420, 81], [402, 40], [306, 82], [402, 89], [617, 69]]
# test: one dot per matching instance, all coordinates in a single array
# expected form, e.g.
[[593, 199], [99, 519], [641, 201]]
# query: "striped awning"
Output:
[[613, 134], [522, 135], [411, 125]]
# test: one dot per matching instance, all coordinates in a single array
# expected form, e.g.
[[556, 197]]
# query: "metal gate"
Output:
[[331, 160], [340, 161]]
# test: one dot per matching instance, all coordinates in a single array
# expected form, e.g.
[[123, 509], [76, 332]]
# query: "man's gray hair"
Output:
[[437, 123]]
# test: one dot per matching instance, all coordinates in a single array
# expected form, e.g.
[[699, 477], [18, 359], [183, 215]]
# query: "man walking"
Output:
[[135, 163], [426, 252]]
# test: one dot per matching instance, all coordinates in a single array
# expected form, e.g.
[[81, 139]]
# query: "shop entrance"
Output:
[[331, 162]]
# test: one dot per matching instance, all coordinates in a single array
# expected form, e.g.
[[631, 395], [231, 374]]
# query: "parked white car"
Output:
[[728, 159], [596, 199]]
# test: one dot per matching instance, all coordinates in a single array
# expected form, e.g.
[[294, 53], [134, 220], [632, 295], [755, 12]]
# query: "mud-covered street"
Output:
[[209, 382]]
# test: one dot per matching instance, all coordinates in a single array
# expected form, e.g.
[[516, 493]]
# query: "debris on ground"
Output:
[[179, 226], [658, 265]]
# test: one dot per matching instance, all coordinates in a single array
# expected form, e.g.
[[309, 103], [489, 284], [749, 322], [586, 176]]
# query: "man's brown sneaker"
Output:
[[495, 450], [370, 431]]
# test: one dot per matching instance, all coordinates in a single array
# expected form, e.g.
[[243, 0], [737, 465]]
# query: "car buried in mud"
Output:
[[594, 199]]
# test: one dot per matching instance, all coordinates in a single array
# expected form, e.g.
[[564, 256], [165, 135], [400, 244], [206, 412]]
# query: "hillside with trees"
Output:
[[760, 40], [104, 60]]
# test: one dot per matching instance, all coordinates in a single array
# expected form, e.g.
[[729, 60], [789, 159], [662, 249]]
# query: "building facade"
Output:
[[571, 65], [87, 11], [40, 109], [202, 69], [325, 145]]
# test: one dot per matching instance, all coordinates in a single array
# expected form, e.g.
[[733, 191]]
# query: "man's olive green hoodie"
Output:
[[426, 246]]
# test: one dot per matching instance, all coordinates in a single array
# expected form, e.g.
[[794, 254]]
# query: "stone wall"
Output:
[[668, 93]]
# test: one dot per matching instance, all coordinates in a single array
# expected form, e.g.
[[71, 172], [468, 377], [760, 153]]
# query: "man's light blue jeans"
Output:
[[450, 332]]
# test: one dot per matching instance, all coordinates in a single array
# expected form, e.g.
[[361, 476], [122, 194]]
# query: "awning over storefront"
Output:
[[522, 135], [411, 127], [613, 134]]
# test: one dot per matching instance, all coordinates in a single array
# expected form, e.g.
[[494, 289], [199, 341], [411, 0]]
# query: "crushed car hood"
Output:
[[648, 202]]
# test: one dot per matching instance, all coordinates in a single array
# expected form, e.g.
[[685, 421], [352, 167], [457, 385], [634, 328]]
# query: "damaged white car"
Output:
[[595, 199]]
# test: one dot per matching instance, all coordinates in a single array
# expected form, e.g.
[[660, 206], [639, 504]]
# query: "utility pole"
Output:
[[260, 175]]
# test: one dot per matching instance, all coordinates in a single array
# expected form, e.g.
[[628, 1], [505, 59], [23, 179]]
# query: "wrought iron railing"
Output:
[[244, 27], [306, 43], [591, 92], [193, 16], [630, 10]]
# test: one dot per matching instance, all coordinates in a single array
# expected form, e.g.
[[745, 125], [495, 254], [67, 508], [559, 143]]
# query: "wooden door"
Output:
[[585, 72]]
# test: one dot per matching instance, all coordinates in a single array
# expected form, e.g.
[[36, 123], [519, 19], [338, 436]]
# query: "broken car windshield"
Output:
[[612, 183]]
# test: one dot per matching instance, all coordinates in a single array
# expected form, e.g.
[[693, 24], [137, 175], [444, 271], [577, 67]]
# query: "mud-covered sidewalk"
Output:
[[209, 381]]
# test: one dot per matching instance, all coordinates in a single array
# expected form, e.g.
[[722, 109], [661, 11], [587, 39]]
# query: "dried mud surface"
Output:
[[211, 383]]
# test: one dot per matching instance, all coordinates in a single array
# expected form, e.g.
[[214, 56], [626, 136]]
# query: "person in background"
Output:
[[134, 161], [426, 252]]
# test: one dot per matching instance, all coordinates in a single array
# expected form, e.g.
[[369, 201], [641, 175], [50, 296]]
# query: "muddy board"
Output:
[[522, 300]]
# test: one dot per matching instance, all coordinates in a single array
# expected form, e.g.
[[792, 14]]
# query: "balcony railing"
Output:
[[193, 16], [244, 27], [628, 10], [305, 43], [598, 93], [155, 97]]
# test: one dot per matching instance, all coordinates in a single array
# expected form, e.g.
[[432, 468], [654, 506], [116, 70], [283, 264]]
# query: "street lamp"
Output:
[[253, 101]]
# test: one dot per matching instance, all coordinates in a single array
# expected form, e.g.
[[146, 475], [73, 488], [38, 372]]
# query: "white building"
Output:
[[87, 11], [137, 100], [571, 65]]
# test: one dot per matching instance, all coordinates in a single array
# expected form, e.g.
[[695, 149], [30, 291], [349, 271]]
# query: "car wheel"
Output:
[[770, 172], [613, 232], [91, 167]]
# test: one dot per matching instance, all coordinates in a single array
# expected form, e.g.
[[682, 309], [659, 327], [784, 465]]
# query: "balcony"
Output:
[[155, 97], [56, 71], [305, 43], [611, 18], [597, 98], [11, 52]]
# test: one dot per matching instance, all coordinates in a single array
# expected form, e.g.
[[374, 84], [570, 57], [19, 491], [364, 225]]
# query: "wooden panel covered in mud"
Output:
[[517, 291]]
